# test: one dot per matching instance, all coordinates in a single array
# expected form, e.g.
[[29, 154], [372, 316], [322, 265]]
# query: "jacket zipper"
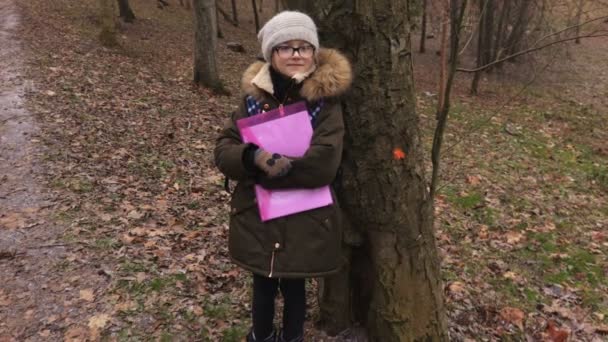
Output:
[[276, 247], [271, 265], [282, 112]]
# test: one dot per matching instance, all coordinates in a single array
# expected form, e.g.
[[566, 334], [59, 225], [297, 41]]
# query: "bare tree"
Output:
[[205, 41], [579, 13], [235, 16], [185, 3], [126, 13], [255, 15], [107, 36], [423, 27], [484, 41], [515, 39]]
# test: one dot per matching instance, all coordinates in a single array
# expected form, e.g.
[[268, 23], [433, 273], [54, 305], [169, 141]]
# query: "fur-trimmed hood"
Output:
[[332, 77]]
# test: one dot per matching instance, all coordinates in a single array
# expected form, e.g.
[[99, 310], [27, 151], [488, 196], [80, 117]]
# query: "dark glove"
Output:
[[273, 164]]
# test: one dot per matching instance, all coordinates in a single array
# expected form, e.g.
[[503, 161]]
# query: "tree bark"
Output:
[[579, 13], [205, 41], [501, 31], [235, 16], [484, 41], [423, 27], [488, 32], [107, 36], [126, 13], [395, 282], [220, 35], [255, 16], [519, 28]]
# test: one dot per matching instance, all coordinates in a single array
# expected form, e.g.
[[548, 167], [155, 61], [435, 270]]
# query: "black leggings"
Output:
[[294, 295]]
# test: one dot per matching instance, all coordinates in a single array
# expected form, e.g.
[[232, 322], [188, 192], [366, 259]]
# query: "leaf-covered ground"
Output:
[[138, 213]]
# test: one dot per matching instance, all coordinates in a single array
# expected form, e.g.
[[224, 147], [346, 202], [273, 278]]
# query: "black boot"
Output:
[[252, 338], [295, 339]]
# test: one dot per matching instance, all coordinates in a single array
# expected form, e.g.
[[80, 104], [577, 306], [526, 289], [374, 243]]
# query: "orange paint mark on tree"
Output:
[[398, 153]]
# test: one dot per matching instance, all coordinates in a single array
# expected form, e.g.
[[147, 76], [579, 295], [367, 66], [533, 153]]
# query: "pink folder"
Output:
[[286, 131]]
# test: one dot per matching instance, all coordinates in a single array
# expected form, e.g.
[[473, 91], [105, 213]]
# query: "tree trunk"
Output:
[[488, 32], [484, 42], [255, 16], [126, 13], [235, 16], [423, 27], [501, 31], [579, 13], [519, 29], [185, 3], [305, 6], [220, 35], [396, 289], [205, 38], [107, 36]]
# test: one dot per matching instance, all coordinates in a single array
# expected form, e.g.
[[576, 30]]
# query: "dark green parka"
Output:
[[306, 244]]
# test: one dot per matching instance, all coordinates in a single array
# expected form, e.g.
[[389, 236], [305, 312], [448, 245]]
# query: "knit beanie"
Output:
[[285, 26]]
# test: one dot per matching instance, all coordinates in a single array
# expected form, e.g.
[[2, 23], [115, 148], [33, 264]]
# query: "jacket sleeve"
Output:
[[319, 165], [229, 148]]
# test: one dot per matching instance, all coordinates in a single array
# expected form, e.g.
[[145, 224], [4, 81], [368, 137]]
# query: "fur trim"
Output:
[[262, 79], [332, 77]]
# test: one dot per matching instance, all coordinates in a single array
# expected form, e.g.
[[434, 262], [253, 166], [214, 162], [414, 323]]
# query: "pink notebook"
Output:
[[286, 131]]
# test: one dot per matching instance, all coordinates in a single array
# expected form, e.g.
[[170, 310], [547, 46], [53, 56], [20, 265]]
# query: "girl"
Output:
[[282, 252]]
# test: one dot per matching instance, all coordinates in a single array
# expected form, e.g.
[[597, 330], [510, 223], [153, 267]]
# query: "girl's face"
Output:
[[293, 57]]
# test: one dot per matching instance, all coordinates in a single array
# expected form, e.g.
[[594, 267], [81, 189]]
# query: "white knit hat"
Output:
[[285, 26]]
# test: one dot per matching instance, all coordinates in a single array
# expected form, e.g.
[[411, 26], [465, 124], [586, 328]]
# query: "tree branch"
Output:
[[529, 51], [443, 106]]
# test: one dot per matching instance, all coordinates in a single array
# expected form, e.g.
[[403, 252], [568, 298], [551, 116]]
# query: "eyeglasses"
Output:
[[285, 51]]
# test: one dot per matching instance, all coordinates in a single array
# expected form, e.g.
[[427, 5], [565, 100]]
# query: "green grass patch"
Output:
[[107, 244], [235, 333], [467, 201], [219, 309]]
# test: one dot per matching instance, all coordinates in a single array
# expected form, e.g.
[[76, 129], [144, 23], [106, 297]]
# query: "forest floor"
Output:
[[113, 218]]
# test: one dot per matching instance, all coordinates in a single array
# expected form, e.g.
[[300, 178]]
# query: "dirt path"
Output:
[[38, 300]]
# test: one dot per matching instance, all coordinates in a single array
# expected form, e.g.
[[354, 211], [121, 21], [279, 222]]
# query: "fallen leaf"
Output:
[[514, 316], [126, 306], [601, 329], [513, 237], [554, 334], [125, 238], [138, 231], [75, 334], [135, 215], [483, 232], [510, 275], [12, 221], [456, 289], [87, 295], [44, 333], [197, 310], [28, 315], [4, 299], [99, 321], [473, 180]]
